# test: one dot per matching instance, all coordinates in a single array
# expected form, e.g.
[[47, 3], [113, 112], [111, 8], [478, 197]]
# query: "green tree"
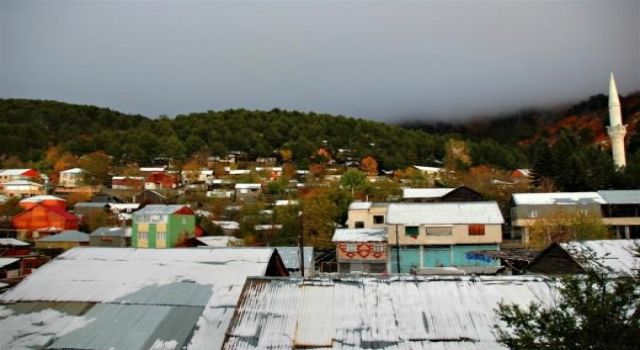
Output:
[[353, 179], [594, 311]]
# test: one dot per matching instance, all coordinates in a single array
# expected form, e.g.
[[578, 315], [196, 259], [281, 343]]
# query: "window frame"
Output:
[[474, 229]]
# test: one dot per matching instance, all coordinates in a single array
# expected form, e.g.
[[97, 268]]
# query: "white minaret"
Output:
[[616, 129]]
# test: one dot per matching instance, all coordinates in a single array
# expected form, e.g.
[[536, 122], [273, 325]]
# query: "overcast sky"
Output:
[[379, 60]]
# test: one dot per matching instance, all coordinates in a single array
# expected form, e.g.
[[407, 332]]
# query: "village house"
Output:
[[529, 208], [125, 298], [71, 178], [291, 259], [160, 180], [111, 237], [162, 226], [62, 241], [247, 191], [129, 183], [367, 215], [361, 250], [28, 260], [91, 211], [425, 235], [615, 256], [426, 195], [22, 188], [7, 175], [621, 212], [43, 216]]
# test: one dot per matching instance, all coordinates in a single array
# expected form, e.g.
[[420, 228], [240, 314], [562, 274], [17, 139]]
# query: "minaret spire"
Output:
[[616, 130]]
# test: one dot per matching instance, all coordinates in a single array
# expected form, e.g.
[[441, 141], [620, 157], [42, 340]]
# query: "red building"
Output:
[[158, 180], [43, 216], [25, 259]]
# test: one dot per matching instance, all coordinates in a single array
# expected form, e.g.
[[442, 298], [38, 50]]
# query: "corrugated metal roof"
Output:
[[91, 205], [425, 192], [444, 213], [291, 256], [220, 241], [400, 312], [621, 196], [144, 296], [12, 242], [558, 198], [112, 231], [359, 205], [67, 236], [616, 256], [360, 235], [159, 209], [72, 171], [38, 199], [13, 172]]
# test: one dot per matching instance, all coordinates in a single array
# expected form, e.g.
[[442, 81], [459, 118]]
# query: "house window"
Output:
[[584, 212], [533, 213], [143, 235], [476, 230], [439, 231], [351, 248], [378, 219], [379, 247], [412, 231], [359, 224], [161, 236]]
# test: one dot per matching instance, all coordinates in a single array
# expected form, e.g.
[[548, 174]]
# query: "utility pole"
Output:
[[301, 247]]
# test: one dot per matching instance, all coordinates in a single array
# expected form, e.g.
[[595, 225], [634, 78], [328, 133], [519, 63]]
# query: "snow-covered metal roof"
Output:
[[360, 235], [13, 172], [621, 196], [142, 295], [38, 199], [220, 241], [428, 169], [67, 236], [558, 198], [7, 261], [72, 171], [228, 225], [444, 213], [248, 186], [616, 256], [159, 209], [283, 202], [12, 242], [21, 183], [425, 192], [359, 205], [396, 313], [291, 257], [112, 232]]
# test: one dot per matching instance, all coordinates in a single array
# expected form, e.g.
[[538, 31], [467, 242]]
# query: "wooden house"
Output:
[[62, 241], [111, 237]]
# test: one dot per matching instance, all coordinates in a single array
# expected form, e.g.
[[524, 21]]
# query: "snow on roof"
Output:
[[615, 256], [360, 235], [192, 292], [7, 261], [13, 172], [359, 205], [558, 198], [112, 231], [267, 227], [248, 186], [38, 199], [152, 169], [239, 171], [72, 171], [524, 172], [291, 257], [282, 202], [399, 312], [160, 209], [67, 236], [621, 196], [425, 192], [444, 213], [12, 242], [428, 169], [220, 241], [21, 183], [228, 225]]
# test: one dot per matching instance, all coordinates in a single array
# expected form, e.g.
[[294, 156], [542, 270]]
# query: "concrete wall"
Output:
[[459, 235]]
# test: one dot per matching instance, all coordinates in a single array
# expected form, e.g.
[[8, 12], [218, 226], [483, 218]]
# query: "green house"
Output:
[[162, 226]]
